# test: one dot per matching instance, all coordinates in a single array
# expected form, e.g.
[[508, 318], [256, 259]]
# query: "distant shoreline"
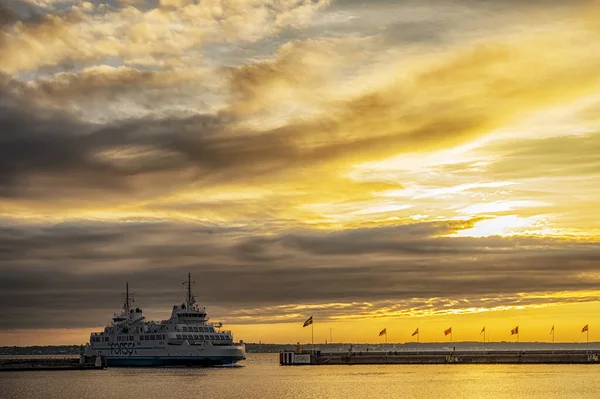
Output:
[[276, 348]]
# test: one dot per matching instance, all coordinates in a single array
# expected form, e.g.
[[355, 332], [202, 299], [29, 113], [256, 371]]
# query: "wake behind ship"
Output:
[[185, 339]]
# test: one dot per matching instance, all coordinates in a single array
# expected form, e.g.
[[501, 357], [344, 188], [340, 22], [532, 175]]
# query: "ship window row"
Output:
[[125, 338], [152, 337], [198, 329], [195, 315], [202, 336]]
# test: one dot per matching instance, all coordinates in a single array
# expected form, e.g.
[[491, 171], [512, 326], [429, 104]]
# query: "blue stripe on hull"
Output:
[[171, 361]]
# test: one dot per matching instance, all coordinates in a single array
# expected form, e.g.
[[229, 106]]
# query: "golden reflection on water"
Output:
[[260, 376]]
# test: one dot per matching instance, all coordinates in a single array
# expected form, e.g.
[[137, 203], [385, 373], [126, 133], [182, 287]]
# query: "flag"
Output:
[[383, 332], [514, 330], [585, 328], [448, 331], [482, 330], [415, 333], [308, 322], [552, 330]]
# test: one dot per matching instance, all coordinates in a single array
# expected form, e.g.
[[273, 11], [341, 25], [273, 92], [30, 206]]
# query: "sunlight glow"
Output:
[[506, 226], [500, 206]]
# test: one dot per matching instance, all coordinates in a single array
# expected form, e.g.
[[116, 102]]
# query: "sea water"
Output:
[[260, 376]]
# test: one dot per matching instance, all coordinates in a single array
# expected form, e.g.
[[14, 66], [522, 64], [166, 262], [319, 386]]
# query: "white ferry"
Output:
[[185, 339]]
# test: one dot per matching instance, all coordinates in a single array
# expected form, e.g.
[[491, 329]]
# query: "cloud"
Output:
[[290, 78], [548, 156], [418, 110], [108, 81], [38, 144], [102, 93], [242, 114], [7, 15], [13, 11], [160, 36], [75, 270]]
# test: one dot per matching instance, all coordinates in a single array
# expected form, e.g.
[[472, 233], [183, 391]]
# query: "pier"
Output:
[[440, 357], [56, 364]]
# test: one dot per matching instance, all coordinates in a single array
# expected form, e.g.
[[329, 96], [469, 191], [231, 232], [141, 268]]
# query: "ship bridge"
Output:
[[189, 312], [128, 315], [190, 316]]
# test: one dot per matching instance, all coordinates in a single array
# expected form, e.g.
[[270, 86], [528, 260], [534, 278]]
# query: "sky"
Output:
[[375, 164]]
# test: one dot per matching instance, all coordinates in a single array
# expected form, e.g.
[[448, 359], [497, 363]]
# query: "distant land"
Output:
[[66, 350]]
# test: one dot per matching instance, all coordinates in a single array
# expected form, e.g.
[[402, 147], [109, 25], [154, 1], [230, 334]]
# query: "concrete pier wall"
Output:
[[82, 363], [440, 357]]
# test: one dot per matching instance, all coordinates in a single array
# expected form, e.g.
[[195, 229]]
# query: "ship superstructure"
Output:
[[185, 339]]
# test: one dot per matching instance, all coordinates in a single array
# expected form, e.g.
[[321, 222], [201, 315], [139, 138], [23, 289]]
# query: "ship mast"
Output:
[[190, 299], [127, 299]]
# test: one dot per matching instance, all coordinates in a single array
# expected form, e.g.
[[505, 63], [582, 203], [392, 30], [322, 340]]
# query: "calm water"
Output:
[[261, 377]]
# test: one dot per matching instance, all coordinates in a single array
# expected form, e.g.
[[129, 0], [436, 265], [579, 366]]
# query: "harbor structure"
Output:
[[439, 357], [54, 364], [444, 356]]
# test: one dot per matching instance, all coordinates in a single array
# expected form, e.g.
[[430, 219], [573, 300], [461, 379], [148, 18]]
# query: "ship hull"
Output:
[[152, 361], [169, 355]]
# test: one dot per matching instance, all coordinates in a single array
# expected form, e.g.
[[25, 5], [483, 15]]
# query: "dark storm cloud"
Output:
[[46, 152], [75, 272], [12, 11], [410, 239], [7, 15]]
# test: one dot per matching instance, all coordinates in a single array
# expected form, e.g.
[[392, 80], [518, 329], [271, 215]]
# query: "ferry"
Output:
[[185, 339]]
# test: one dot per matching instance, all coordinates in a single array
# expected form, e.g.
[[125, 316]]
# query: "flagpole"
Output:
[[552, 339], [313, 335], [484, 339], [587, 344]]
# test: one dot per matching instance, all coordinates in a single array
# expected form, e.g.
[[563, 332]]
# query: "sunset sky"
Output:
[[375, 164]]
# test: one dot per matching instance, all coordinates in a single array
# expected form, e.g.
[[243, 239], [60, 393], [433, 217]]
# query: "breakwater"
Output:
[[440, 357], [40, 364]]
